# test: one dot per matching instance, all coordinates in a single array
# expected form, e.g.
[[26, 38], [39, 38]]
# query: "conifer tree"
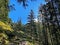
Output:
[[31, 26]]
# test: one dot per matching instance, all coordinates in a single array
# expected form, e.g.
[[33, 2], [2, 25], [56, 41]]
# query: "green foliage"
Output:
[[3, 39], [45, 32], [51, 22], [24, 2], [4, 26], [4, 23], [3, 10], [31, 30]]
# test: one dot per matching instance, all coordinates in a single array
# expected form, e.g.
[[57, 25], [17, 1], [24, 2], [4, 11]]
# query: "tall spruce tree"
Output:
[[31, 25], [5, 27], [50, 14], [4, 10]]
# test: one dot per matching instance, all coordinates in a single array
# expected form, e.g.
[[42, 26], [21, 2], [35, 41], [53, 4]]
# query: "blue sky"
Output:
[[23, 13]]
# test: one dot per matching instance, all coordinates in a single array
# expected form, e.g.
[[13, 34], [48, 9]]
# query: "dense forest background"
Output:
[[44, 31]]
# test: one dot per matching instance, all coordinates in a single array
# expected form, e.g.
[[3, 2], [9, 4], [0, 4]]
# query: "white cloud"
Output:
[[36, 20]]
